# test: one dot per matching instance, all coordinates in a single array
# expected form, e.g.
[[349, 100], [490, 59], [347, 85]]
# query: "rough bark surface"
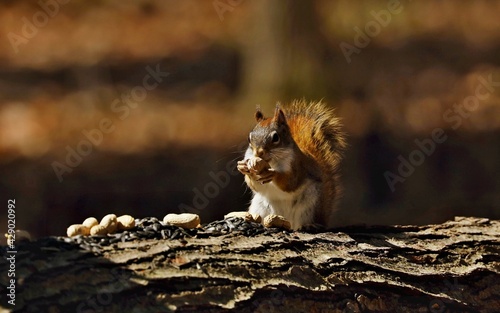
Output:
[[450, 267]]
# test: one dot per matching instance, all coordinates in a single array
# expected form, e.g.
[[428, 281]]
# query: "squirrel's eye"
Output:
[[275, 138]]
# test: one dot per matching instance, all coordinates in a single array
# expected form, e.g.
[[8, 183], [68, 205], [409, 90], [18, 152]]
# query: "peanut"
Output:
[[77, 229], [125, 222], [184, 220], [257, 164], [243, 214], [256, 218], [90, 222], [98, 230], [273, 220], [110, 223]]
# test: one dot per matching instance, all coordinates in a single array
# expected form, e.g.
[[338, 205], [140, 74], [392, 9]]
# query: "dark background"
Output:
[[223, 58]]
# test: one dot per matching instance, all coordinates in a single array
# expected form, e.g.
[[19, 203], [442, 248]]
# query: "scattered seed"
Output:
[[152, 228]]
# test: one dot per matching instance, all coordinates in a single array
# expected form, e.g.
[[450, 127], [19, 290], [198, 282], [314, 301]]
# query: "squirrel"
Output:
[[292, 164]]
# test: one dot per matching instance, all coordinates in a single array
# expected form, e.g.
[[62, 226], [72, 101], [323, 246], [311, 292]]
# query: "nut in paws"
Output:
[[257, 165]]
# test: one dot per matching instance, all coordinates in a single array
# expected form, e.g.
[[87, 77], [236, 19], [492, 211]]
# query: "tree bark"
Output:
[[450, 267]]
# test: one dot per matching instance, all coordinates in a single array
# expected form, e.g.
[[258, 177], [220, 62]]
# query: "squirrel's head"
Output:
[[271, 137]]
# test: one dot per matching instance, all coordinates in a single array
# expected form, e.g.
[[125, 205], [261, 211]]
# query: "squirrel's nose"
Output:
[[259, 152]]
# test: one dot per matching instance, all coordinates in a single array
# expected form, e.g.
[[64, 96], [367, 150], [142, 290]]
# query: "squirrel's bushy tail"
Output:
[[317, 132]]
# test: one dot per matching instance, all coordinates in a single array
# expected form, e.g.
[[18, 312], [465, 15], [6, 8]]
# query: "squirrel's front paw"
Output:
[[257, 165], [259, 170], [243, 167], [264, 176]]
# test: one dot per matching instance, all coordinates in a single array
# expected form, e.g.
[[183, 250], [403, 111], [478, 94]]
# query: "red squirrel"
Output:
[[292, 163]]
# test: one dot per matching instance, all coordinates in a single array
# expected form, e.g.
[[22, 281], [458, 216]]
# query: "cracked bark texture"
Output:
[[449, 267]]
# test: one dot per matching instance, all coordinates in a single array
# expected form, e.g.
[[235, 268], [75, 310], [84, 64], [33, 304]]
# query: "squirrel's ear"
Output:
[[279, 116], [258, 114]]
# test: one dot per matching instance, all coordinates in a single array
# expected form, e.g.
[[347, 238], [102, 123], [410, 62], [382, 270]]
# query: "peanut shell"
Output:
[[110, 223], [184, 220], [90, 222], [273, 220], [125, 222], [98, 230], [257, 164], [243, 214], [256, 218], [77, 229]]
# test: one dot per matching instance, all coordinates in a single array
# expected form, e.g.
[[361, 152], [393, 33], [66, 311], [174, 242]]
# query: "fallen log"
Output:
[[449, 267]]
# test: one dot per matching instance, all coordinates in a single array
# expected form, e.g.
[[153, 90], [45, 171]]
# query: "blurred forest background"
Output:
[[407, 68]]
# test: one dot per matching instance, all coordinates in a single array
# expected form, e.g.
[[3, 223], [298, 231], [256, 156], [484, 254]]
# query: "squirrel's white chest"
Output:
[[298, 206]]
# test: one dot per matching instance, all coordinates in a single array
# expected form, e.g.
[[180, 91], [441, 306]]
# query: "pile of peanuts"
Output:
[[108, 225], [111, 223]]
